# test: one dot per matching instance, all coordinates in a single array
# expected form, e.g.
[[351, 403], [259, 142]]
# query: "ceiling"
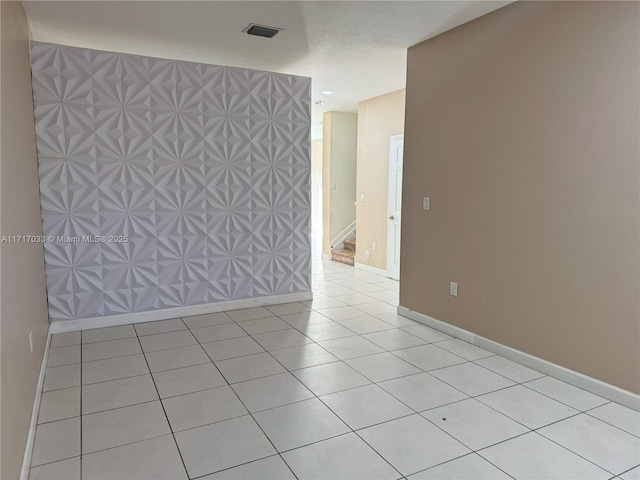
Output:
[[356, 49]]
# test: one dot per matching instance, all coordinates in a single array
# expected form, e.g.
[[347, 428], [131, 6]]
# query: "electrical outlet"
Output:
[[375, 245], [31, 342], [426, 203], [362, 197], [453, 289]]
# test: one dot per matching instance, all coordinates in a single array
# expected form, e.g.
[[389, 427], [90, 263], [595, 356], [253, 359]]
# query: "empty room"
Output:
[[319, 240]]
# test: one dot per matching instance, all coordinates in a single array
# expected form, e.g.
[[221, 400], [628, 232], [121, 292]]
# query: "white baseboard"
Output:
[[368, 268], [595, 386], [326, 256], [60, 326], [28, 449]]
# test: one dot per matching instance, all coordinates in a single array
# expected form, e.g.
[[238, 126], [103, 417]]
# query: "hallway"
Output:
[[340, 387]]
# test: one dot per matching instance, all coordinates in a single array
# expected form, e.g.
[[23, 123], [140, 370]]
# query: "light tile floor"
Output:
[[340, 387]]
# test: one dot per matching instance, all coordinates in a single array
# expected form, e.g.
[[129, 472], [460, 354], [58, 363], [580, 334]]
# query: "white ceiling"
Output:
[[357, 49]]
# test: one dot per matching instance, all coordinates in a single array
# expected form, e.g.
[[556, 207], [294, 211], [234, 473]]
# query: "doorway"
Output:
[[396, 151]]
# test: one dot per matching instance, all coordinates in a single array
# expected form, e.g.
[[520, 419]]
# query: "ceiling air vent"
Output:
[[262, 31]]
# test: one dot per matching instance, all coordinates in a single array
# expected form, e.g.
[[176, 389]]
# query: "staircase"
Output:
[[346, 256]]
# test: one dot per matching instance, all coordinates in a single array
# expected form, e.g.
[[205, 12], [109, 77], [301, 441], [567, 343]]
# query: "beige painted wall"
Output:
[[316, 185], [23, 303], [523, 126], [378, 119], [339, 131]]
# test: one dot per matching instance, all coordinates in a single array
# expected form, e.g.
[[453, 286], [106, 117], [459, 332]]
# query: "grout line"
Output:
[[184, 465]]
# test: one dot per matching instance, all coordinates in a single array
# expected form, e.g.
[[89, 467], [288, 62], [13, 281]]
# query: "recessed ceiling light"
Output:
[[327, 92]]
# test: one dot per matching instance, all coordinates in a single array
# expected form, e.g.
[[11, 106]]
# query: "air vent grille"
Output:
[[262, 31]]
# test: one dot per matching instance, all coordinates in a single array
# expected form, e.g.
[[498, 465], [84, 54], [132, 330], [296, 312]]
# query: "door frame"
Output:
[[391, 185]]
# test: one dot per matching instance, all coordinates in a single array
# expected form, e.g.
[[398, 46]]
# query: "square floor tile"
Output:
[[330, 378], [324, 303], [633, 474], [326, 331], [389, 296], [429, 357], [364, 325], [382, 366], [201, 408], [423, 445], [249, 314], [59, 404], [469, 467], [264, 325], [303, 356], [565, 393], [65, 339], [346, 457], [342, 313], [269, 392], [377, 308], [394, 339], [472, 379], [299, 424], [63, 356], [56, 378], [348, 283], [113, 368], [422, 391], [365, 406], [222, 445], [474, 424], [464, 349], [512, 370], [335, 291], [533, 457], [249, 367], [187, 380], [110, 349], [95, 335], [270, 468], [218, 332], [160, 326], [302, 320], [598, 442], [427, 333], [368, 288], [527, 407], [176, 358], [396, 320], [121, 426], [351, 347], [68, 469], [154, 459], [207, 320], [354, 298], [232, 348], [166, 341], [622, 417], [288, 308], [117, 393], [393, 285], [281, 339], [56, 441]]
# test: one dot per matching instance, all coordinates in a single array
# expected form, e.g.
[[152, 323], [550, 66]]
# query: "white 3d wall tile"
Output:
[[205, 169]]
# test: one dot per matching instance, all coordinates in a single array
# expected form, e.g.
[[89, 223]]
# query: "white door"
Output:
[[396, 150]]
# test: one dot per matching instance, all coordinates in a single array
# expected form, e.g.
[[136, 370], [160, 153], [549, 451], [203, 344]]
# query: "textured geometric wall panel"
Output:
[[205, 169]]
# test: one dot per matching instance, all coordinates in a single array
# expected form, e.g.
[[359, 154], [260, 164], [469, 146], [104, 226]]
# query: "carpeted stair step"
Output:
[[350, 245], [344, 256]]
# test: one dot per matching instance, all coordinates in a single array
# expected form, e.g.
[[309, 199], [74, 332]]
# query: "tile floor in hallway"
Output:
[[337, 388]]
